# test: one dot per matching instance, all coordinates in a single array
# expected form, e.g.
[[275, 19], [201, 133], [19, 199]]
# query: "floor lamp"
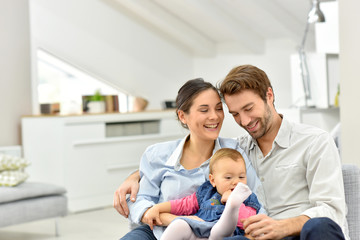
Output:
[[315, 15]]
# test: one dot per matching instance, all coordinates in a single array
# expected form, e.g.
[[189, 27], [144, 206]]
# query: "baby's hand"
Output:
[[152, 217], [225, 196], [241, 192], [249, 236]]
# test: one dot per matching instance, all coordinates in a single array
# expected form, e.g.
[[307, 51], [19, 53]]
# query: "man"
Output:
[[298, 165]]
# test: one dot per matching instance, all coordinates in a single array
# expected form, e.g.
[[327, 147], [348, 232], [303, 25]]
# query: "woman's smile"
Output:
[[211, 126]]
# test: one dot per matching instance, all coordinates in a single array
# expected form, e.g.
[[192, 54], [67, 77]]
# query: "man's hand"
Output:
[[263, 227], [129, 186], [151, 217]]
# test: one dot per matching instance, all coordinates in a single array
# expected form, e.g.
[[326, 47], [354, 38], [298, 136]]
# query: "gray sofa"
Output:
[[31, 201], [351, 174]]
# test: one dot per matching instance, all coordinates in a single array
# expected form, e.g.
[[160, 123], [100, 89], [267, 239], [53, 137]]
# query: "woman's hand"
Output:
[[129, 186]]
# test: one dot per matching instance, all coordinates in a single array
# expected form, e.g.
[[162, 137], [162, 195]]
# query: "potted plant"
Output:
[[96, 103]]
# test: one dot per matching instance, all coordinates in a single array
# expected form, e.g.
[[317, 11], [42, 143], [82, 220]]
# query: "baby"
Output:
[[219, 204]]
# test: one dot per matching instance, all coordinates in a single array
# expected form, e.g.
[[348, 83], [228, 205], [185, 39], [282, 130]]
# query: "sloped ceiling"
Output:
[[205, 27]]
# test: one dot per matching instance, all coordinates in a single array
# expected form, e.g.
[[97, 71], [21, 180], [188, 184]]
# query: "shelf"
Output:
[[123, 139]]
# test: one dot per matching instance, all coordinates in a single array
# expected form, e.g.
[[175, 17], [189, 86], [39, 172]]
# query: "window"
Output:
[[60, 82]]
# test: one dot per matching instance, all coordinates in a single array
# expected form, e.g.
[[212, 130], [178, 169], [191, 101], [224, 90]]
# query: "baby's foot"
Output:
[[240, 193]]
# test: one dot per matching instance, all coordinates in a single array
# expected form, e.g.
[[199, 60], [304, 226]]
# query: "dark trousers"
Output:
[[140, 233], [144, 233], [320, 228], [314, 229]]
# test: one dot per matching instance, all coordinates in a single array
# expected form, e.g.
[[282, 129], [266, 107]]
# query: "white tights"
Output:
[[180, 229]]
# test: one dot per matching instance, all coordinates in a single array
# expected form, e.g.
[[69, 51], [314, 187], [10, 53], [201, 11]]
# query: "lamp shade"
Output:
[[315, 14]]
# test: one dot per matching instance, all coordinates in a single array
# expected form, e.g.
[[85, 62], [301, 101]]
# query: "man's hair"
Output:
[[225, 153], [245, 77]]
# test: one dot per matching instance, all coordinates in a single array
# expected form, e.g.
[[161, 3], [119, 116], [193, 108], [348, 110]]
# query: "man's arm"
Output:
[[129, 186], [264, 227], [325, 181]]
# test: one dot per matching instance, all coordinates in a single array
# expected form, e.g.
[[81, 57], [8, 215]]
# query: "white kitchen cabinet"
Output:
[[91, 155]]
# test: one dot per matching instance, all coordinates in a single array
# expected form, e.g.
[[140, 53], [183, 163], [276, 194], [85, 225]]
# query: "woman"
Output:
[[177, 168]]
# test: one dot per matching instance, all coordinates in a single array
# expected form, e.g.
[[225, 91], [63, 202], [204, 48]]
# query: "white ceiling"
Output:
[[207, 26]]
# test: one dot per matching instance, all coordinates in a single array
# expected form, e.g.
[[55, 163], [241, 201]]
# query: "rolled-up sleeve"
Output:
[[149, 190]]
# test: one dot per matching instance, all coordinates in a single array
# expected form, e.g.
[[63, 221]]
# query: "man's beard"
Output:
[[263, 122]]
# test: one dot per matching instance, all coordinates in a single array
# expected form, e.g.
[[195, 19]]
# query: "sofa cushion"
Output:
[[32, 209], [351, 174], [8, 162], [12, 177], [28, 190]]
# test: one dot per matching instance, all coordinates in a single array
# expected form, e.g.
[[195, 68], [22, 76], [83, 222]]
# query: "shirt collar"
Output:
[[174, 159], [252, 142], [284, 134], [176, 155], [217, 145]]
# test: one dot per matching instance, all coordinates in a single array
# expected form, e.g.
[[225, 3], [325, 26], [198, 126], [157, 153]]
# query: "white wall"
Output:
[[136, 59], [15, 69], [275, 62], [115, 47], [327, 33], [95, 36], [349, 34], [140, 61]]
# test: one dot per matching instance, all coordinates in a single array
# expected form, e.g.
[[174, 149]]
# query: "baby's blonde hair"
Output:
[[222, 153]]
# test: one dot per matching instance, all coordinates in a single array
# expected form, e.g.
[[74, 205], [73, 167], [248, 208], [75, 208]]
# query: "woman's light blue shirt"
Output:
[[163, 178]]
